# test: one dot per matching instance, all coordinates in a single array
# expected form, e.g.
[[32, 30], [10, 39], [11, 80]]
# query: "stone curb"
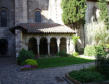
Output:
[[71, 79]]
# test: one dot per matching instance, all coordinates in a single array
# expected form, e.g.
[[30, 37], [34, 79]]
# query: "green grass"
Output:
[[61, 61]]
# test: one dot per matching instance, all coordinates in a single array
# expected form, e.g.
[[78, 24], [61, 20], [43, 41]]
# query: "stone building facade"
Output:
[[37, 25], [7, 20], [33, 25]]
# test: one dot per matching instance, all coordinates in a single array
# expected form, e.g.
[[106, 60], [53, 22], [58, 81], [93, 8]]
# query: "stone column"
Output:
[[38, 44], [67, 45], [18, 39], [58, 44], [48, 46]]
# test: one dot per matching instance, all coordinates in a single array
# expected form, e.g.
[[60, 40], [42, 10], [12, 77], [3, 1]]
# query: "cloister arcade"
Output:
[[48, 45]]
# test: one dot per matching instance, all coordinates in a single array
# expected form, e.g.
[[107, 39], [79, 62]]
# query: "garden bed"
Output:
[[86, 76]]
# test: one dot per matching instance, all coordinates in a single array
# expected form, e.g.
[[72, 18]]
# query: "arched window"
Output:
[[3, 17], [37, 16]]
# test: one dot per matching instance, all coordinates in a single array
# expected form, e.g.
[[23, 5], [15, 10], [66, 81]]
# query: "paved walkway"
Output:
[[10, 74]]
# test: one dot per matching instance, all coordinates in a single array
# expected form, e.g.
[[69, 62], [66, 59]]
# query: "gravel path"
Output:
[[10, 74]]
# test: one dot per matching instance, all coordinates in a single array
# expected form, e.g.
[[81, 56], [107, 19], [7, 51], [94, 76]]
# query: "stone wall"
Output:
[[21, 11], [9, 5], [50, 10], [4, 31], [33, 5]]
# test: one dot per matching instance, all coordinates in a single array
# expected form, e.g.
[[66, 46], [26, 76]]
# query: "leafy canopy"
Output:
[[73, 11], [102, 5]]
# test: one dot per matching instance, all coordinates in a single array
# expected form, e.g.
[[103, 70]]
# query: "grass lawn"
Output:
[[61, 61]]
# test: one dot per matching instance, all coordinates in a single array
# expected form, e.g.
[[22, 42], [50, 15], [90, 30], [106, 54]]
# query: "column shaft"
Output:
[[18, 39], [58, 44], [67, 45], [38, 48], [49, 46]]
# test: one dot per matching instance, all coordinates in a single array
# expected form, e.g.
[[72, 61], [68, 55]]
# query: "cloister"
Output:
[[48, 45], [44, 39]]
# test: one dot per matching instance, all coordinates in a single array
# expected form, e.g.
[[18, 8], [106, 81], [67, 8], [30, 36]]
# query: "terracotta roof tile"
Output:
[[45, 28]]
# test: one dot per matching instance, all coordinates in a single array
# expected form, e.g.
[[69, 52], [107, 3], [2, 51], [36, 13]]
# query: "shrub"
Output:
[[100, 53], [23, 55], [102, 61], [87, 76], [31, 62], [62, 53], [75, 39], [90, 50], [75, 54]]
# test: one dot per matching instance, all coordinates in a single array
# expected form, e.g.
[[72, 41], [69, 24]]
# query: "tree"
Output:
[[73, 12], [102, 5]]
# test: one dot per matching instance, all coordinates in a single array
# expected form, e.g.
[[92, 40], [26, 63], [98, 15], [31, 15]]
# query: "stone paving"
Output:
[[10, 74]]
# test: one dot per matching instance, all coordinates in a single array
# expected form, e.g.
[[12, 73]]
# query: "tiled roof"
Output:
[[45, 28]]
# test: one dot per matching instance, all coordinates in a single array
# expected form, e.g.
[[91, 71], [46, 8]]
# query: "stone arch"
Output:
[[32, 45], [53, 46], [3, 47], [43, 46], [63, 44], [3, 17]]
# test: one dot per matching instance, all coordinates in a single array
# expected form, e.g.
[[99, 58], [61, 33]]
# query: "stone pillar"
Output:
[[18, 39], [48, 46], [58, 44], [20, 11], [71, 46], [67, 45], [38, 48]]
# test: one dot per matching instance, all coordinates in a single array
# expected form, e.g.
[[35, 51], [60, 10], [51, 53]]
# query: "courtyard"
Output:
[[10, 74]]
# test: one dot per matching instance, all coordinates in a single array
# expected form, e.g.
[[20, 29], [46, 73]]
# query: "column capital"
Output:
[[38, 40], [48, 39], [58, 41]]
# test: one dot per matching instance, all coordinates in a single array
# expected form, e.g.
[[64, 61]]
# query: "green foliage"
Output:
[[103, 66], [86, 76], [31, 62], [99, 33], [75, 39], [102, 61], [102, 5], [100, 53], [23, 55], [73, 11], [90, 50], [75, 54], [62, 54], [106, 45]]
